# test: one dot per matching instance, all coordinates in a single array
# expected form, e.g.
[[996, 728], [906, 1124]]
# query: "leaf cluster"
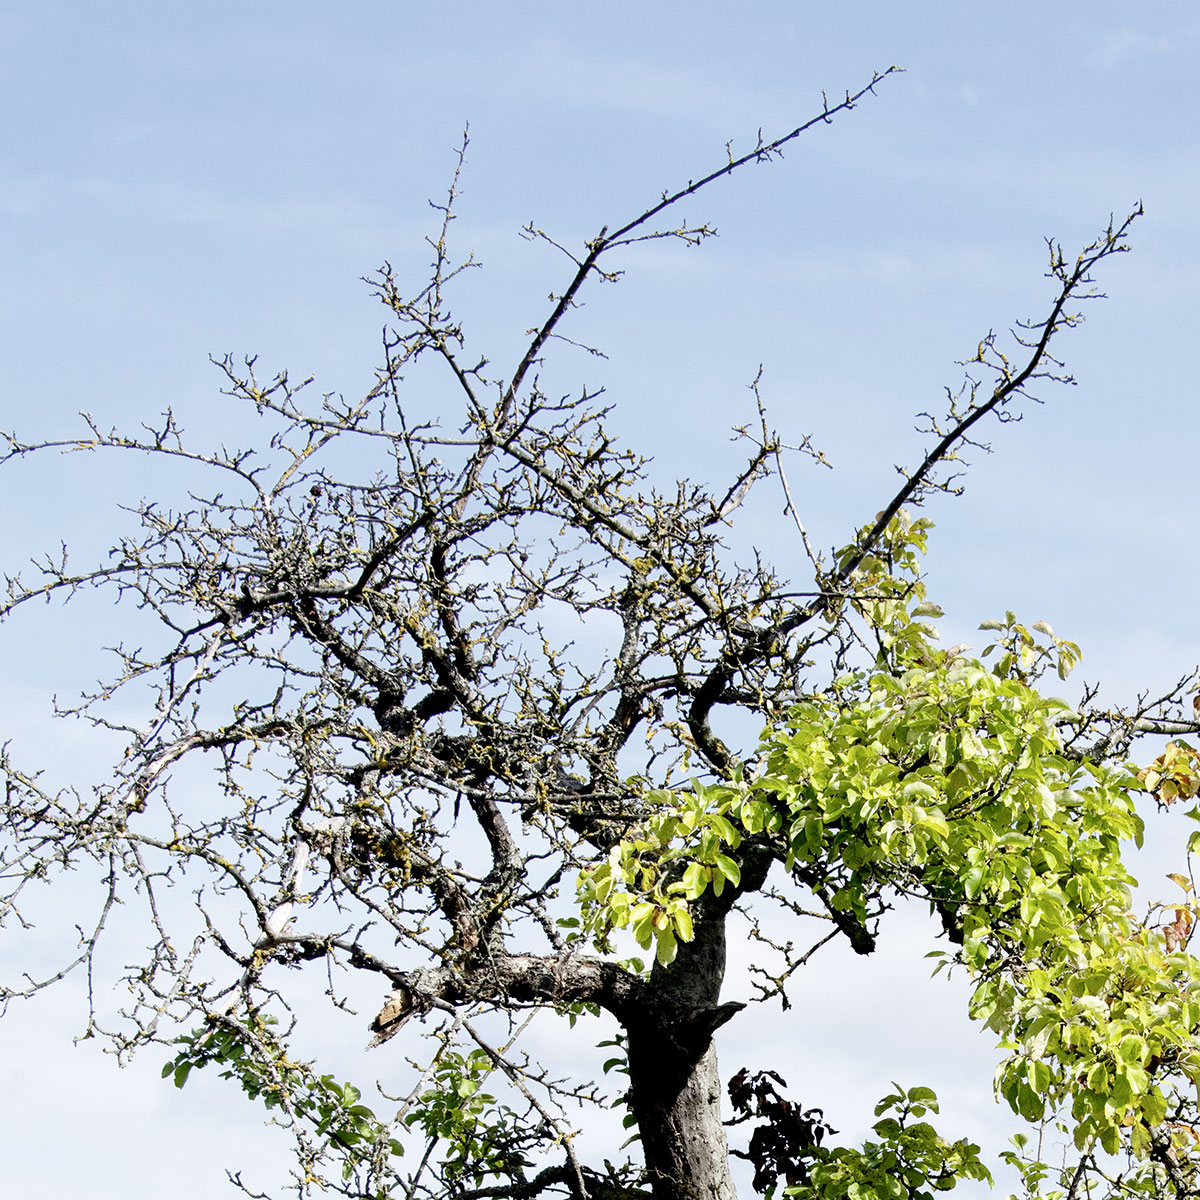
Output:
[[252, 1054], [910, 1160]]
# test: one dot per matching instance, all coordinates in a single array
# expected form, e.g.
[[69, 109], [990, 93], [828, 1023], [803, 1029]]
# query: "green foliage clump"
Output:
[[252, 1053], [931, 774], [477, 1134], [910, 1161]]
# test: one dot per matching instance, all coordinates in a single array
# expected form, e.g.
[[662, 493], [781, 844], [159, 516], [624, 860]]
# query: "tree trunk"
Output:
[[679, 1116], [675, 1091]]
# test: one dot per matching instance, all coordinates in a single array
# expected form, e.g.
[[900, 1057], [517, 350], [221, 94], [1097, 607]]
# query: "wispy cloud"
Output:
[[47, 194], [127, 131], [1127, 45]]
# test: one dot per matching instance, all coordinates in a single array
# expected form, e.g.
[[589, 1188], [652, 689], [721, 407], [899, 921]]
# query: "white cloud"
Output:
[[1127, 45]]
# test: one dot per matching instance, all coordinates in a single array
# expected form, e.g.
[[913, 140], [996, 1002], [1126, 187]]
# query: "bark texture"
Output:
[[678, 1110], [675, 1086]]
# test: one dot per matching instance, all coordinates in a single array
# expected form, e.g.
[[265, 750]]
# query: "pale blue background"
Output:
[[182, 180]]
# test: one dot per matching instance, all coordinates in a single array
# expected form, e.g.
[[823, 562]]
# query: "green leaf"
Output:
[[1139, 1141], [683, 923], [695, 880], [728, 868], [665, 947]]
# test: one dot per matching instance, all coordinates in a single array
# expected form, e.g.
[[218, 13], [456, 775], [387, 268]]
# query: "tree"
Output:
[[469, 695]]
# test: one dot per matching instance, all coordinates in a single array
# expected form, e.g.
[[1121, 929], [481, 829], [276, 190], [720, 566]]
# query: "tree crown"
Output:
[[470, 693]]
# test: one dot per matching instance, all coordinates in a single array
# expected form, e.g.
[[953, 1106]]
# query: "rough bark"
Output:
[[675, 1089], [678, 1111]]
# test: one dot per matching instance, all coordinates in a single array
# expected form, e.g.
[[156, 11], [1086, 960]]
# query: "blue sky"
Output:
[[180, 181]]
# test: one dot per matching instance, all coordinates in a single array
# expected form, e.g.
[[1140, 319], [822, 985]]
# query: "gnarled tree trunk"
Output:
[[678, 1109], [675, 1090]]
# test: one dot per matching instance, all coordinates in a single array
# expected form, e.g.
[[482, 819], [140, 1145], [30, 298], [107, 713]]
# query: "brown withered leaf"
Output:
[[1177, 932]]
